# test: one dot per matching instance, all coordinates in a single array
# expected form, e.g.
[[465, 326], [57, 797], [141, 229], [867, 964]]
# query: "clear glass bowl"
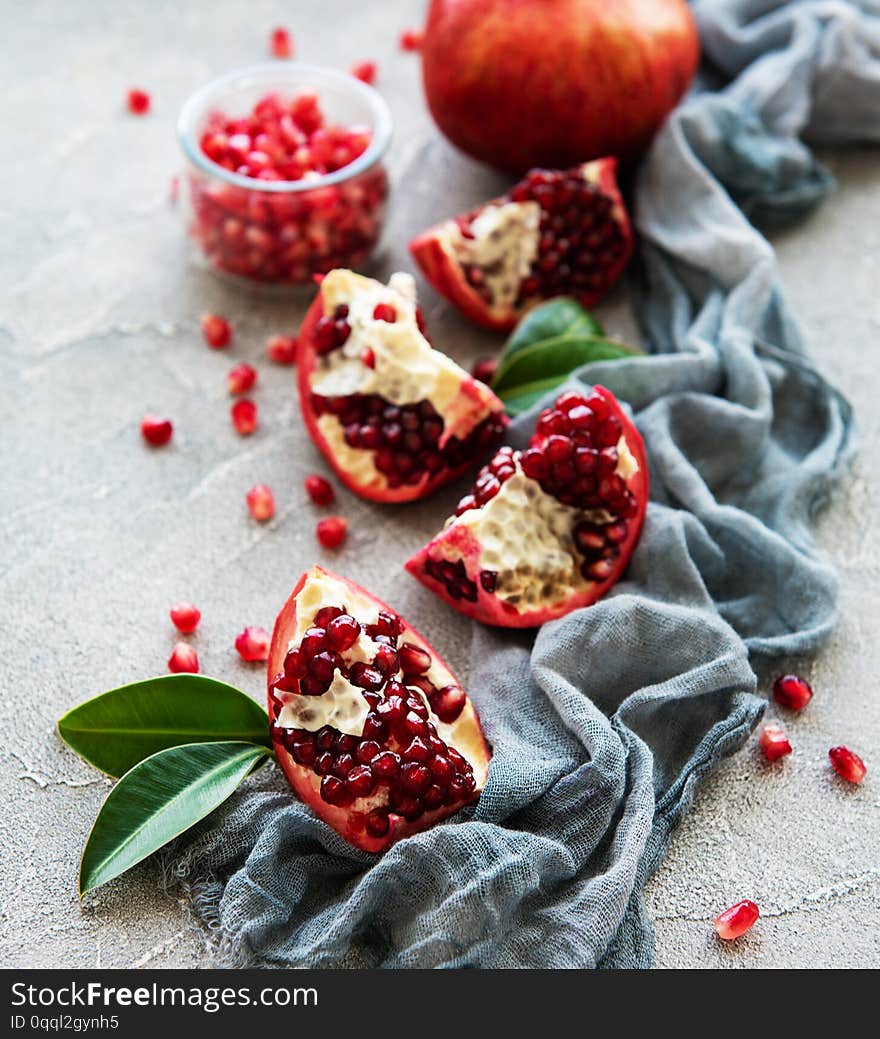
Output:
[[284, 232]]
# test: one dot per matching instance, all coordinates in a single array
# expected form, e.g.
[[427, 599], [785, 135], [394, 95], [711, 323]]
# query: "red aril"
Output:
[[244, 417], [342, 727], [734, 922], [138, 101], [792, 691], [185, 617], [774, 743], [281, 349], [261, 502], [253, 644], [555, 233], [216, 331], [394, 418], [365, 71], [847, 764], [156, 430], [183, 659], [547, 530], [484, 370], [411, 39], [241, 379], [280, 43], [331, 531], [319, 490]]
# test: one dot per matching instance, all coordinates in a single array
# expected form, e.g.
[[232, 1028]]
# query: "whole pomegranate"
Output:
[[523, 83]]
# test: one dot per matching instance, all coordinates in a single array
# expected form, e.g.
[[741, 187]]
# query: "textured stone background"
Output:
[[99, 323]]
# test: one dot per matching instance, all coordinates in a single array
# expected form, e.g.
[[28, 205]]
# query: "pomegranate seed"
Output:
[[365, 71], [361, 781], [342, 632], [411, 39], [216, 331], [241, 378], [183, 659], [377, 823], [280, 43], [138, 101], [413, 659], [774, 742], [734, 922], [244, 417], [331, 531], [847, 764], [281, 349], [484, 370], [368, 358], [261, 502], [334, 791], [792, 692], [156, 430], [319, 490], [384, 312], [185, 617], [253, 644]]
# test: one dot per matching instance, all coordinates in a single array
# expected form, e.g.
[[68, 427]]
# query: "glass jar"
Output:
[[283, 232]]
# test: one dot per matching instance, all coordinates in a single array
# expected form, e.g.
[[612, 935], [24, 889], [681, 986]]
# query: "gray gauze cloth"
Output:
[[603, 722]]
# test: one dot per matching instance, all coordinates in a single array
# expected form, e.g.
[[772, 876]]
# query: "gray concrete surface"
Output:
[[99, 323]]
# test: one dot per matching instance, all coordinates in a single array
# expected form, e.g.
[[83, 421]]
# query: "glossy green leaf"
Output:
[[117, 729], [550, 343], [158, 800]]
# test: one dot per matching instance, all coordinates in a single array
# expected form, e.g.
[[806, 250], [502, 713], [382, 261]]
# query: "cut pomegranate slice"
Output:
[[370, 726], [547, 530], [556, 233], [394, 417]]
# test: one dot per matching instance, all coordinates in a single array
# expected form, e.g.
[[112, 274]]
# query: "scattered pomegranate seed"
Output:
[[847, 764], [384, 312], [365, 71], [774, 742], [331, 531], [253, 644], [368, 357], [319, 490], [216, 330], [792, 692], [411, 39], [183, 659], [185, 617], [241, 378], [484, 369], [261, 502], [281, 349], [734, 922], [280, 43], [244, 417], [138, 101], [156, 430]]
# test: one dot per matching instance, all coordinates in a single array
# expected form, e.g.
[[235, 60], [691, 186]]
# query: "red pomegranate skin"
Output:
[[524, 83]]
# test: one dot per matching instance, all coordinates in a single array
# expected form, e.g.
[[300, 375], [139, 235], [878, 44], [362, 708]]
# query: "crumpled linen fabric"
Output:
[[603, 722]]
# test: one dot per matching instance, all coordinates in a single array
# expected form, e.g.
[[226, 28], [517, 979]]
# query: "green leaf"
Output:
[[159, 799], [548, 344], [117, 729]]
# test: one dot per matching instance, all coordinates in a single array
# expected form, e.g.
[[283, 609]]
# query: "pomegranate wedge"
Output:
[[394, 417], [547, 530], [370, 726], [556, 233]]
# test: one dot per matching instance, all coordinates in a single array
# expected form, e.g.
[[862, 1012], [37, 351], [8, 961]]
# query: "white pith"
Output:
[[504, 247], [525, 536], [407, 368], [343, 706]]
